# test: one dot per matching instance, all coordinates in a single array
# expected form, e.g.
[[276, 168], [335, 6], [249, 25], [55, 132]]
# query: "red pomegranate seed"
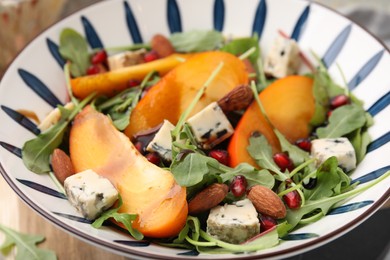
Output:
[[139, 146], [133, 83], [304, 144], [220, 155], [99, 57], [266, 222], [329, 113], [292, 199], [93, 69], [338, 101], [238, 185], [153, 158], [151, 56], [283, 161]]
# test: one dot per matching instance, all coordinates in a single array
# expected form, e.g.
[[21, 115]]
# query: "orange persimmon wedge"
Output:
[[113, 82], [289, 105], [173, 93], [146, 189]]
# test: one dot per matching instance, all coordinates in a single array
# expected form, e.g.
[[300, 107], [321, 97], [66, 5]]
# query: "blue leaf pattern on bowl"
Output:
[[173, 16], [12, 149], [91, 35], [372, 175], [189, 253], [142, 243], [365, 70], [41, 188], [219, 15], [299, 26], [72, 217], [379, 105], [350, 207], [54, 51], [299, 236], [335, 48], [260, 16], [39, 87], [132, 24], [384, 139], [21, 120]]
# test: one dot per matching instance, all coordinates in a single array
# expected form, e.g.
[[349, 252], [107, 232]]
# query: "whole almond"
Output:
[[237, 99], [208, 198], [162, 46], [62, 165], [267, 202]]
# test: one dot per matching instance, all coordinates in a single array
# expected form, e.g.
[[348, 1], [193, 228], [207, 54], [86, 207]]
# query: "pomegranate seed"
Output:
[[93, 69], [304, 144], [139, 146], [292, 199], [153, 158], [266, 222], [99, 57], [283, 161], [133, 83], [221, 156], [238, 185], [151, 56], [329, 113], [338, 101]]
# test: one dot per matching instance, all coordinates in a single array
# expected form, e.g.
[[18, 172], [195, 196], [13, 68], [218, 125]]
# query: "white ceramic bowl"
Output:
[[35, 81]]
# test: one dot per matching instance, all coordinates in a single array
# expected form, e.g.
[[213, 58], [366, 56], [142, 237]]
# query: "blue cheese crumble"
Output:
[[234, 223], [90, 193]]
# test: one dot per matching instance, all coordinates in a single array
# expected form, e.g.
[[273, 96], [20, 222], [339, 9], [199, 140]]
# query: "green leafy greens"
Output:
[[196, 41], [25, 244]]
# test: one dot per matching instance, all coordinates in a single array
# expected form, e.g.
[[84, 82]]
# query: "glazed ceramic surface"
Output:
[[35, 81]]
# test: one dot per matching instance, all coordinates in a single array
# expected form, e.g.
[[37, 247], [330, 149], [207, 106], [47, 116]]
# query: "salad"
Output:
[[197, 141]]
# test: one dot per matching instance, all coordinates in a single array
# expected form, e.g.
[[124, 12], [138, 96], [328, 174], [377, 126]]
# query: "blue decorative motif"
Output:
[[219, 14], [92, 36], [39, 87], [21, 120], [365, 70], [384, 139], [12, 149], [260, 16], [379, 105], [41, 188], [300, 24], [54, 50], [142, 243], [75, 218], [372, 175], [173, 15], [132, 24], [299, 236], [350, 207], [189, 253], [337, 45]]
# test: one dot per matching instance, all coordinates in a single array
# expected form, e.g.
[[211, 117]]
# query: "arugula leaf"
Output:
[[36, 152], [296, 154], [196, 41], [74, 47], [124, 218], [322, 82], [241, 45], [342, 121], [25, 244]]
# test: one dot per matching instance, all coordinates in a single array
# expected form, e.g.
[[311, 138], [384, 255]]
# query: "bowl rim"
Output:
[[120, 250]]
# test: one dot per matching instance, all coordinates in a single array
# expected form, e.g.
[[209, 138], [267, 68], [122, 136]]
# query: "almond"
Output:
[[237, 99], [62, 165], [267, 202], [208, 198], [162, 46]]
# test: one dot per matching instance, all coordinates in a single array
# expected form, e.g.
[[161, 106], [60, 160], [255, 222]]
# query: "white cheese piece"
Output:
[[341, 148], [90, 193], [234, 223], [283, 58], [210, 126], [53, 117], [125, 59], [162, 141]]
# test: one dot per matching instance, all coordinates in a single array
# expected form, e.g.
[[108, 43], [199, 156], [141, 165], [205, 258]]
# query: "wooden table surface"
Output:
[[16, 214]]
